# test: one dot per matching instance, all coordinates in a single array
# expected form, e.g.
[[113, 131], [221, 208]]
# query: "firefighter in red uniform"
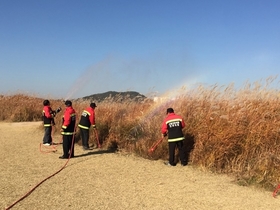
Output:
[[86, 122], [68, 130], [48, 120], [172, 126]]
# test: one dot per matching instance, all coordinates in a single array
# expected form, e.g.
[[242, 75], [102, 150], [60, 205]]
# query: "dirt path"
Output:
[[103, 180]]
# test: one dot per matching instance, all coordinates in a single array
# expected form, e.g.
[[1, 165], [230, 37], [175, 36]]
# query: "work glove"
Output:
[[53, 113], [58, 110]]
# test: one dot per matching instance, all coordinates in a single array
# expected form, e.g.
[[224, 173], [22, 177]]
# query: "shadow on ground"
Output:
[[98, 152], [189, 143]]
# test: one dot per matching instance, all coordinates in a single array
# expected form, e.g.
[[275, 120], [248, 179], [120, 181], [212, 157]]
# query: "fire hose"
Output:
[[276, 191], [97, 139], [155, 145], [29, 192]]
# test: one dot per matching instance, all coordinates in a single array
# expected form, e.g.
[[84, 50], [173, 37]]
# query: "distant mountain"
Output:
[[116, 96]]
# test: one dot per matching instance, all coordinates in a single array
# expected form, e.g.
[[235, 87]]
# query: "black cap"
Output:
[[46, 102], [169, 110], [68, 103], [92, 105]]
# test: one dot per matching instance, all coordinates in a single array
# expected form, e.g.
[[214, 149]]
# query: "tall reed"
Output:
[[227, 130]]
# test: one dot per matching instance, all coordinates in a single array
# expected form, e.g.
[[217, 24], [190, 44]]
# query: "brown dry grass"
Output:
[[228, 131], [102, 180]]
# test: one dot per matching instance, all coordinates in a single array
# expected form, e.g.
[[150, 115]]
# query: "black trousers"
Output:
[[85, 137], [48, 135], [182, 153], [68, 149]]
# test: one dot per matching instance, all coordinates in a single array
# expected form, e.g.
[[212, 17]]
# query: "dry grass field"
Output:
[[232, 139], [100, 179]]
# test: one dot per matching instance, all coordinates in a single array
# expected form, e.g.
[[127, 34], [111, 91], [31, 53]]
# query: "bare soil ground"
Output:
[[102, 180]]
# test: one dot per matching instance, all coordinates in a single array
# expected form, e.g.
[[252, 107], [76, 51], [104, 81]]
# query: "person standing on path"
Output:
[[48, 120], [172, 126], [68, 130], [86, 122]]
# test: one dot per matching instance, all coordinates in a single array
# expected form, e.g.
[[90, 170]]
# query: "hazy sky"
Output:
[[75, 48]]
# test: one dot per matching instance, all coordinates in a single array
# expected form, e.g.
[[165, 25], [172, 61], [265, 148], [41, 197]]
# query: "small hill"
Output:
[[116, 96]]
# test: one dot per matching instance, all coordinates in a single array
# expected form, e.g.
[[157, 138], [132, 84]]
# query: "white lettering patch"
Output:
[[174, 124], [84, 114]]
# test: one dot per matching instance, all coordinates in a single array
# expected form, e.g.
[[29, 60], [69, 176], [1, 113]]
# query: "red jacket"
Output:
[[69, 121], [48, 116], [173, 125], [87, 118]]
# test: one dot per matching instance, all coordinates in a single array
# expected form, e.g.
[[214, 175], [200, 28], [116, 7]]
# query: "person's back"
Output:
[[68, 130], [69, 119], [87, 121], [87, 118], [172, 126]]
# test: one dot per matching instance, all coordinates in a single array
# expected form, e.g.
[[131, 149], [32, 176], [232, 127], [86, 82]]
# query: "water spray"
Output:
[[86, 76]]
